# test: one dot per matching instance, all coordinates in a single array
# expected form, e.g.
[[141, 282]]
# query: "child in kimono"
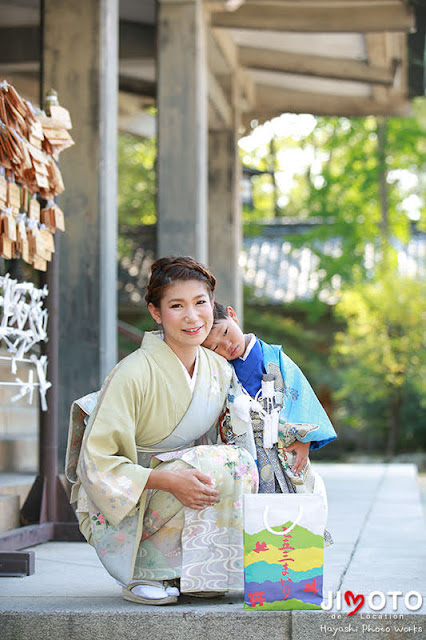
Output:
[[279, 439]]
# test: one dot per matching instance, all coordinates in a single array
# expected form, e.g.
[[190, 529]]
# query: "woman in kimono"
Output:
[[160, 504]]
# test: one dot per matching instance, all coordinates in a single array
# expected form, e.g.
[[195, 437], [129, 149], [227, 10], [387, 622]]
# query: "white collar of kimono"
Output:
[[249, 347], [190, 381], [193, 380]]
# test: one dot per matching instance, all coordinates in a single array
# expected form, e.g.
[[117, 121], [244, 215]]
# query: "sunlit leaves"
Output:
[[136, 180], [381, 356], [333, 171]]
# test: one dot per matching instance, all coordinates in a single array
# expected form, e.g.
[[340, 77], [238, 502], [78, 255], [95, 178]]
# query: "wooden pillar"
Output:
[[225, 217], [182, 129], [225, 230], [80, 61]]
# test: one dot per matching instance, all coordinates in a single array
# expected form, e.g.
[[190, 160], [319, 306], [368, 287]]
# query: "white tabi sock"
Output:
[[154, 593]]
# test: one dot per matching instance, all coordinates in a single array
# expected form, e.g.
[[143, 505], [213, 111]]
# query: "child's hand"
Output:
[[301, 450]]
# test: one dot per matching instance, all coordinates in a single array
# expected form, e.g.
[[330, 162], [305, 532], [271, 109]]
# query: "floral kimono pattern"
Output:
[[203, 548], [146, 417]]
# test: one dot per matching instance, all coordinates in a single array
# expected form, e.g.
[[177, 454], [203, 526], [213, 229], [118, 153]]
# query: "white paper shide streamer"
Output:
[[23, 324]]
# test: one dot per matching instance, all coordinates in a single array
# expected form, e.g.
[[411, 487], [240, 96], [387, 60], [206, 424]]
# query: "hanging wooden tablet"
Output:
[[58, 219], [3, 192], [21, 232], [9, 226], [30, 142], [13, 199], [55, 178], [35, 241], [34, 209], [25, 251], [6, 248], [46, 218], [49, 243], [40, 264], [62, 115]]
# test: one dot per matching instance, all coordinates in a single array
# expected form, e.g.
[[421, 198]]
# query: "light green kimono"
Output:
[[146, 408]]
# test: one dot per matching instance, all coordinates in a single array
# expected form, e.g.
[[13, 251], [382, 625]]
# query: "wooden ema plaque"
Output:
[[29, 148]]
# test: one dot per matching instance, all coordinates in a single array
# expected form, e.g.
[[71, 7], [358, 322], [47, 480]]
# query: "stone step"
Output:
[[19, 453], [380, 545], [194, 619], [9, 512], [14, 489], [16, 484]]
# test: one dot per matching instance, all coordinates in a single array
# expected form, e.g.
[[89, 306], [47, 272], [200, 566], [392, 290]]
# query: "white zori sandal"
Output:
[[154, 592]]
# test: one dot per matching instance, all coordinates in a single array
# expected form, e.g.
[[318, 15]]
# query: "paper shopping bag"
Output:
[[283, 551]]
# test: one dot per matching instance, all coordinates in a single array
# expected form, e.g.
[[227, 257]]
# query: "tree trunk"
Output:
[[383, 172], [273, 164], [383, 194], [395, 404]]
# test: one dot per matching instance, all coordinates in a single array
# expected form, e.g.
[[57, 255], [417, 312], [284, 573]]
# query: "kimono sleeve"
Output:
[[108, 467], [302, 405]]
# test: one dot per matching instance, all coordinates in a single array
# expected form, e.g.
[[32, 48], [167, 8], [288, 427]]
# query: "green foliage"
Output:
[[346, 162], [136, 180], [263, 199], [342, 186], [381, 356], [303, 340]]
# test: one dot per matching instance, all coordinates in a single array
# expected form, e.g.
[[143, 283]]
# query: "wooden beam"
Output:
[[377, 51], [331, 17], [224, 5], [22, 44], [219, 101], [19, 45], [319, 66], [248, 90], [220, 61], [138, 86], [214, 119], [272, 101], [19, 67], [227, 47], [251, 120], [27, 84], [381, 48]]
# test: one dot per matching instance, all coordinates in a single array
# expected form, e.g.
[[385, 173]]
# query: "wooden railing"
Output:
[[130, 333]]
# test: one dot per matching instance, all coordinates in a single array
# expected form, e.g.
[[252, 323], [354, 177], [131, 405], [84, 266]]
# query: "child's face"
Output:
[[226, 337]]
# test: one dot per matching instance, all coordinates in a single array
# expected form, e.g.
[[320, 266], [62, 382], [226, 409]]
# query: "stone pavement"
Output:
[[377, 522]]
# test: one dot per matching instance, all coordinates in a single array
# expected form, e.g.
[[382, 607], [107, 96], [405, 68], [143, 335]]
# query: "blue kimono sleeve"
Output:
[[301, 405]]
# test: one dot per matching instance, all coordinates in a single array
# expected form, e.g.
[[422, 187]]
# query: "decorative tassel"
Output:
[[270, 429], [242, 407]]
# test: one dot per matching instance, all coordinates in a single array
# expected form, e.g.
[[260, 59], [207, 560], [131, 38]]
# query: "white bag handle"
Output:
[[280, 533]]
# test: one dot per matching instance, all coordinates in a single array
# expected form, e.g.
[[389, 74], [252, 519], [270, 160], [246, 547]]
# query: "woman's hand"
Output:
[[191, 487], [301, 450]]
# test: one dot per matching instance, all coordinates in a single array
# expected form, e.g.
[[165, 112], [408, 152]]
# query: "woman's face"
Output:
[[186, 313]]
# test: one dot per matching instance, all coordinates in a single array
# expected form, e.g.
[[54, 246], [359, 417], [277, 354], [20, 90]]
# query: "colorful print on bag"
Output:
[[283, 551]]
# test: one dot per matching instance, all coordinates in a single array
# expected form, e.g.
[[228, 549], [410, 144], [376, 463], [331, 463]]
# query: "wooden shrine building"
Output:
[[214, 69]]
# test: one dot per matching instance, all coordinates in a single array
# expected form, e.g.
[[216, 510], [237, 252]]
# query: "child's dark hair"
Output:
[[219, 312], [166, 271]]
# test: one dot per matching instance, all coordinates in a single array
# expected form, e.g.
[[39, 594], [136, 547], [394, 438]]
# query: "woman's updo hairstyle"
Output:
[[166, 271]]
